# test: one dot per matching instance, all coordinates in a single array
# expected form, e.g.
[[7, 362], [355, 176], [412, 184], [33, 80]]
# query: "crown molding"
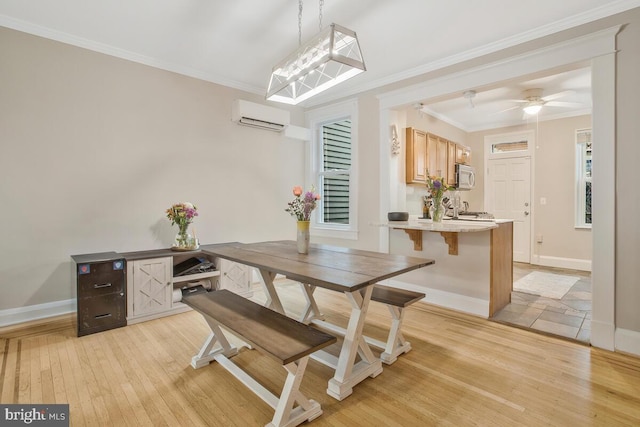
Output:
[[62, 37]]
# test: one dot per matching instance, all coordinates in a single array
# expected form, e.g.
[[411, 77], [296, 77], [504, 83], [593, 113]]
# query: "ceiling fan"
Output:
[[534, 101]]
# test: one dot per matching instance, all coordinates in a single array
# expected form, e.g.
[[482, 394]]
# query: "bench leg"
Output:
[[396, 344], [307, 410], [209, 349], [311, 310]]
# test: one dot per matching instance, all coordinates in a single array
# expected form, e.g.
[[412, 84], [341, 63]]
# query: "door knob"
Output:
[[526, 213]]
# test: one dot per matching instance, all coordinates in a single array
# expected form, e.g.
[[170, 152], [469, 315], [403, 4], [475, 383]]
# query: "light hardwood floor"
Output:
[[462, 371]]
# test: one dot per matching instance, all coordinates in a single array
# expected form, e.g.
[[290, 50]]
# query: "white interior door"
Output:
[[509, 197]]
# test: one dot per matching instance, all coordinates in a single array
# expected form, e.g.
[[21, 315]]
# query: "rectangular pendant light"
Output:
[[330, 57]]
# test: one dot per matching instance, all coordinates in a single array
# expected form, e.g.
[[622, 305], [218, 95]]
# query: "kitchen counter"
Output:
[[449, 225], [473, 270], [448, 228]]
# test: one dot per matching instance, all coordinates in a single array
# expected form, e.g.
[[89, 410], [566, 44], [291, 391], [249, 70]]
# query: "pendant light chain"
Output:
[[299, 22]]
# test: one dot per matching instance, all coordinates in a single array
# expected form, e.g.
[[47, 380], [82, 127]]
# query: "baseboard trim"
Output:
[[462, 303], [602, 335], [628, 341], [13, 316], [570, 263]]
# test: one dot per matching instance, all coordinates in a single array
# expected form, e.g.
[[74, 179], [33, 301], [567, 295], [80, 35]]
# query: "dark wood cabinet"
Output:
[[101, 292]]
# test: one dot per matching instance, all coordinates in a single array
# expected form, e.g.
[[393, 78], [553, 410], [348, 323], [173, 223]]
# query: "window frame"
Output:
[[316, 119], [581, 179]]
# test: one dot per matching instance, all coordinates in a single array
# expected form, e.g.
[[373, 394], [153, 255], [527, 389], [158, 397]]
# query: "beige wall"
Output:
[[554, 179], [95, 148]]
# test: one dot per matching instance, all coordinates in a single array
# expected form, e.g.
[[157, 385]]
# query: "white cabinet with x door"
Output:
[[150, 287]]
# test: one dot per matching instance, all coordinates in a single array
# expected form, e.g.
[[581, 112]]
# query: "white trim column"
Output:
[[603, 231]]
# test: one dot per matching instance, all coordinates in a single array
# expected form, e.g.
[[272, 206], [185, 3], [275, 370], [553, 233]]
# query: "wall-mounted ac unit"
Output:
[[259, 116]]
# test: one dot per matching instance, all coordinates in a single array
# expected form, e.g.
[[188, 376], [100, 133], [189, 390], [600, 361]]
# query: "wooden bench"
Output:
[[285, 340], [396, 301]]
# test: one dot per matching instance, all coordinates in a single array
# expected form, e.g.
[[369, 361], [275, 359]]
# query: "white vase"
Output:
[[303, 237]]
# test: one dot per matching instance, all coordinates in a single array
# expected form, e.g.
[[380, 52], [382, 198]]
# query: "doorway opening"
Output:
[[550, 293], [598, 49]]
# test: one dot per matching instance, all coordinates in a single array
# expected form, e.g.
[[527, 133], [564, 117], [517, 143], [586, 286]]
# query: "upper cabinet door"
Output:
[[416, 161], [463, 154], [451, 163], [442, 168], [432, 154]]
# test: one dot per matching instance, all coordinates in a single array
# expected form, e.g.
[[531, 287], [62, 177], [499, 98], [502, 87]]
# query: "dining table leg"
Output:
[[311, 311], [348, 373], [273, 301]]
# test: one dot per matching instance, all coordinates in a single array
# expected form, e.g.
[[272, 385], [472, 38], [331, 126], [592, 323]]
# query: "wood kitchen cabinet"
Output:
[[429, 152], [463, 154], [416, 161]]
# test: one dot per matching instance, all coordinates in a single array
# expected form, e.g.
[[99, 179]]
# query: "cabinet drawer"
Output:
[[102, 278], [101, 313]]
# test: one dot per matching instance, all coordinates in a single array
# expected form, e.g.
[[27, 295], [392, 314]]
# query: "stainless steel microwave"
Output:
[[465, 177]]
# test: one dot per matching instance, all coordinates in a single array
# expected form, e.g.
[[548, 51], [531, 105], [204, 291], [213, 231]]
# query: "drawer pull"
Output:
[[104, 285], [102, 316]]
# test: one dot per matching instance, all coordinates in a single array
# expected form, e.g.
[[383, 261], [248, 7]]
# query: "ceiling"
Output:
[[236, 43], [497, 107]]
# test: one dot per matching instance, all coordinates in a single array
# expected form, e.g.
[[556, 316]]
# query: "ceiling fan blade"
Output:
[[557, 95], [564, 104], [504, 111]]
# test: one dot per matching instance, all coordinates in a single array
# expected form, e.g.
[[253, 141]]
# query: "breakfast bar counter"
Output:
[[473, 271]]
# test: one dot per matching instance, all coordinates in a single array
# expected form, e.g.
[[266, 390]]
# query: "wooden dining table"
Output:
[[349, 271]]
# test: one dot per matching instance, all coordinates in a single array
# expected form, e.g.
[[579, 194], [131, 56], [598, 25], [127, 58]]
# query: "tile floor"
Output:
[[569, 317]]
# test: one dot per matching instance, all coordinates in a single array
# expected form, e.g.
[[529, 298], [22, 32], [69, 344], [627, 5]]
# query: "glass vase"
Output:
[[438, 211], [184, 240], [303, 237]]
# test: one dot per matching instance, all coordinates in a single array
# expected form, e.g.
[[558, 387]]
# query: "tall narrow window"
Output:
[[333, 162], [583, 178], [334, 174]]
